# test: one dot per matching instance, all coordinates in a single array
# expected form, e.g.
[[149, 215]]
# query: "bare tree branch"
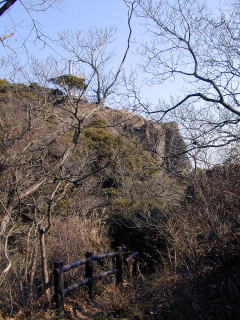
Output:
[[7, 4]]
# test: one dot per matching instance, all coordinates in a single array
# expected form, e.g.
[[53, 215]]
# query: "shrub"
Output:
[[4, 84], [70, 82]]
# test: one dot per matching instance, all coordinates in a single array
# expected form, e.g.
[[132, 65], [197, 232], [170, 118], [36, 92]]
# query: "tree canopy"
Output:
[[70, 82]]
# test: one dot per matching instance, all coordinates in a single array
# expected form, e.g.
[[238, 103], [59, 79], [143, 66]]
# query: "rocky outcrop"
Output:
[[163, 140]]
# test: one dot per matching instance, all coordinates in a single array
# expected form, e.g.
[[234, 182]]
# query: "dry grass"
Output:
[[200, 275], [69, 239]]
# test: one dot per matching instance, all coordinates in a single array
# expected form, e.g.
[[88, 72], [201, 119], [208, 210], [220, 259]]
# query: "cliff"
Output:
[[162, 140]]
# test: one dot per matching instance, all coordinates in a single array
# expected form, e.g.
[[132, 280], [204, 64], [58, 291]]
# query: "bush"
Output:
[[4, 84]]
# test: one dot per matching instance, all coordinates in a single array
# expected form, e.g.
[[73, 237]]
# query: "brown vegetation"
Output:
[[91, 188]]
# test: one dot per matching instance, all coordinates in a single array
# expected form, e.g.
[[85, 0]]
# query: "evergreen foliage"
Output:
[[70, 82]]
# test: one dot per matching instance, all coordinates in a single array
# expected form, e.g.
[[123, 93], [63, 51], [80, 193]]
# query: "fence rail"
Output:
[[59, 269], [76, 264]]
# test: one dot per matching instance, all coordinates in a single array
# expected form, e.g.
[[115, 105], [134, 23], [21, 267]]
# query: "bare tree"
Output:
[[31, 8], [92, 54], [41, 158], [5, 5], [200, 49], [40, 5]]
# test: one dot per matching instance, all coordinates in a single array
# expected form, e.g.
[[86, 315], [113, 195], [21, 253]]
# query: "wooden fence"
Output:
[[60, 268]]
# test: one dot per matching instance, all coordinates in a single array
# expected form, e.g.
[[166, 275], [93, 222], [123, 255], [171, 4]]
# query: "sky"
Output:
[[75, 15], [67, 15]]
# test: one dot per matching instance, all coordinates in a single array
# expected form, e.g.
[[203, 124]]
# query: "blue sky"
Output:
[[69, 14], [75, 15]]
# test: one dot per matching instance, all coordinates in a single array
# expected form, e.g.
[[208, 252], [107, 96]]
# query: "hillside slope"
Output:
[[87, 176], [93, 178]]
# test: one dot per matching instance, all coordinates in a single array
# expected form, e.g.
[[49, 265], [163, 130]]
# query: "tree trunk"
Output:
[[44, 264]]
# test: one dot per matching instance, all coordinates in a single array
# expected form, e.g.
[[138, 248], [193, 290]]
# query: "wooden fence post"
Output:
[[59, 286], [89, 272], [119, 266]]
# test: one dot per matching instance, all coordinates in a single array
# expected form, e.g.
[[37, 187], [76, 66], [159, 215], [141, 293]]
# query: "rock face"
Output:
[[163, 140]]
